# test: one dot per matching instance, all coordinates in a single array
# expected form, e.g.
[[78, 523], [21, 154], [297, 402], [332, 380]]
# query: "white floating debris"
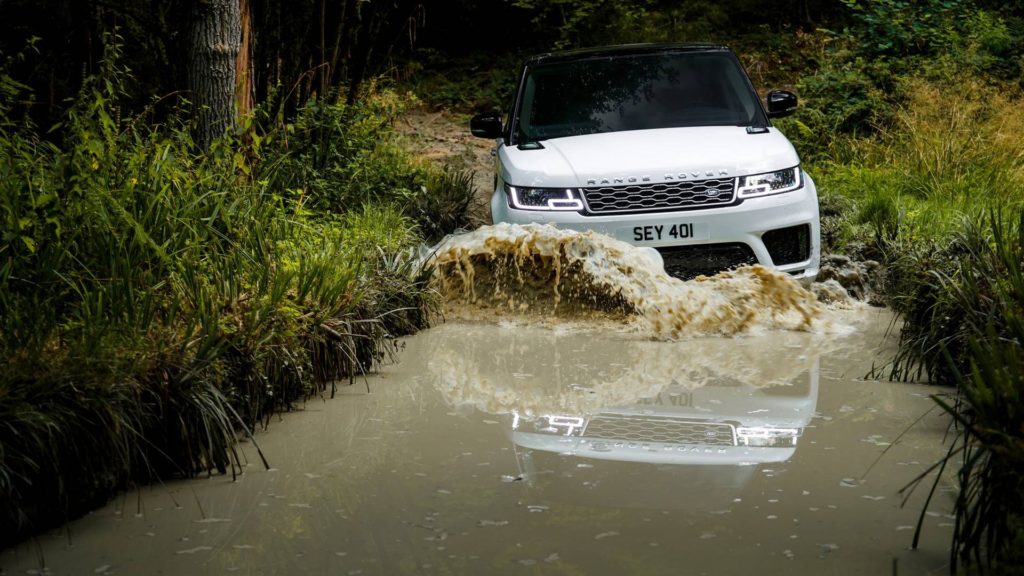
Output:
[[849, 483], [194, 550], [875, 498], [826, 548], [604, 535]]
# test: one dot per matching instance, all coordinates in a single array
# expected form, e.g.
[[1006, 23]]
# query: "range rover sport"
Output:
[[662, 146]]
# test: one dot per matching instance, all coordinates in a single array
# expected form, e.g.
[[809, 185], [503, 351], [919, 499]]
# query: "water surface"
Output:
[[508, 448]]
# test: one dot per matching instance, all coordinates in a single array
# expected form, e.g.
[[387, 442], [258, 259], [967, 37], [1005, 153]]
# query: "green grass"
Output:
[[157, 303], [938, 197], [974, 333]]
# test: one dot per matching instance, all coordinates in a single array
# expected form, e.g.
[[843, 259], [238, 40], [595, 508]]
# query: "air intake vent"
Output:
[[789, 245], [686, 262]]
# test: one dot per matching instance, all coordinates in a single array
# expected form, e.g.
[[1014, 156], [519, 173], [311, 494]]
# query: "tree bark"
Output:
[[214, 40]]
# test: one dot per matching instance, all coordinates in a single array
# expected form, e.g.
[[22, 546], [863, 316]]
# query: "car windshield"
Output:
[[637, 92]]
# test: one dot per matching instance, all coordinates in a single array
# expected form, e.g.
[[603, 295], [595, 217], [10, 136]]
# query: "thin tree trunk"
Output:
[[339, 40], [214, 41], [244, 89]]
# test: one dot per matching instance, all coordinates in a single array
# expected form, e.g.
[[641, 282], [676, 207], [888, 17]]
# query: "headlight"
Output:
[[771, 183], [554, 199], [767, 437], [550, 424]]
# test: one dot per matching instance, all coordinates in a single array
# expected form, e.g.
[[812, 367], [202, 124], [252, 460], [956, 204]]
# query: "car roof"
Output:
[[621, 50]]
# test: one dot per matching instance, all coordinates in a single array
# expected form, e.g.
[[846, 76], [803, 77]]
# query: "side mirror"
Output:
[[781, 103], [486, 125]]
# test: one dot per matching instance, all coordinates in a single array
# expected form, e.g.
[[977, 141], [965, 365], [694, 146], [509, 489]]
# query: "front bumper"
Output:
[[744, 224]]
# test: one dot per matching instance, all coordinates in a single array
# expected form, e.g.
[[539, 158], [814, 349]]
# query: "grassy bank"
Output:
[[919, 153], [158, 303]]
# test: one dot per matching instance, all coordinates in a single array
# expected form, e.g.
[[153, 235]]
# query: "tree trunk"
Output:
[[214, 41], [245, 93]]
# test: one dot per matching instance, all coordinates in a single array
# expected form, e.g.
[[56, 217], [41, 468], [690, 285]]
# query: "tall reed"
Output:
[[982, 347]]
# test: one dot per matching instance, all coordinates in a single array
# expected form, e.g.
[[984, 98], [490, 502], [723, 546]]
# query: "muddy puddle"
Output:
[[580, 413], [505, 447]]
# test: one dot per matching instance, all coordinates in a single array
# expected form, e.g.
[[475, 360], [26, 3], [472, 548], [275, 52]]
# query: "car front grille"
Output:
[[657, 197], [660, 429]]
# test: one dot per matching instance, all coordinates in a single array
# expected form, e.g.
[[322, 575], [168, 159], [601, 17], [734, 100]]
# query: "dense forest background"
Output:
[[175, 268], [296, 49]]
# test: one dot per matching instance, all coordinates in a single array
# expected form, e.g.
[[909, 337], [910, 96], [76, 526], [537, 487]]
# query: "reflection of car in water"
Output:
[[653, 454], [715, 424]]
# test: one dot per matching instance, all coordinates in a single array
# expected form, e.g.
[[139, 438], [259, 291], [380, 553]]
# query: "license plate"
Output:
[[670, 232]]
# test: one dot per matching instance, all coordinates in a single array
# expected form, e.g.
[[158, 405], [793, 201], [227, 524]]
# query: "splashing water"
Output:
[[541, 269]]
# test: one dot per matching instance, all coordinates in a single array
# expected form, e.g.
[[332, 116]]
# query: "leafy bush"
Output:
[[155, 302], [339, 158], [443, 204]]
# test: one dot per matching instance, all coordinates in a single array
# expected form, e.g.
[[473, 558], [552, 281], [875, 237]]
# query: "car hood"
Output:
[[647, 156]]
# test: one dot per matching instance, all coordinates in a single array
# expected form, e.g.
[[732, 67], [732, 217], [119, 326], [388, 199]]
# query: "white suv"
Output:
[[663, 146]]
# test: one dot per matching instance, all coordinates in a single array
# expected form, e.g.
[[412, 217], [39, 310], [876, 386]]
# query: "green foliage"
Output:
[[443, 204], [336, 157], [901, 27], [339, 157], [587, 22], [858, 87], [475, 82], [976, 333], [155, 303]]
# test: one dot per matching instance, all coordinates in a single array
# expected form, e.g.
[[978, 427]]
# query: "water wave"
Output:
[[542, 270]]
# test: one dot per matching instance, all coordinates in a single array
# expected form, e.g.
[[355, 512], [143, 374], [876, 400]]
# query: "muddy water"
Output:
[[541, 270], [507, 448]]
